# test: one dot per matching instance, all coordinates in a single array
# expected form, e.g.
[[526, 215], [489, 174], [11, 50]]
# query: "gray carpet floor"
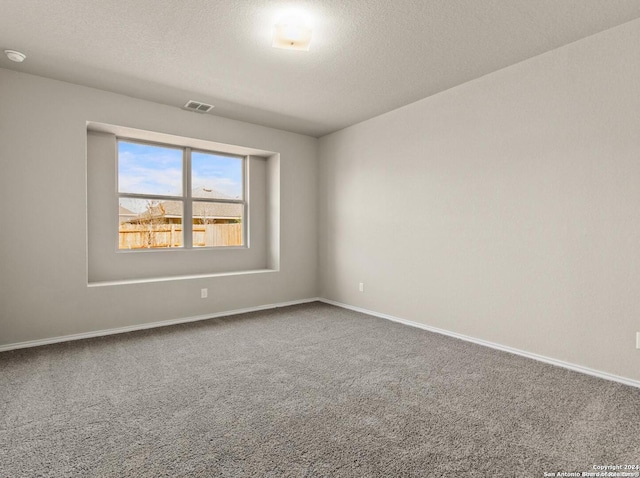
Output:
[[309, 390]]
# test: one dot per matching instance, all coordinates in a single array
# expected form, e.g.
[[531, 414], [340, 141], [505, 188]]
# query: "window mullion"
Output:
[[187, 219]]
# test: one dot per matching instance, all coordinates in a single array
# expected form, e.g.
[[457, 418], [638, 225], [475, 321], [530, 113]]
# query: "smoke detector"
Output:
[[197, 107], [15, 56]]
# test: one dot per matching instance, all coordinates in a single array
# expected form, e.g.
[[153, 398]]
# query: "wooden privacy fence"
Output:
[[151, 236]]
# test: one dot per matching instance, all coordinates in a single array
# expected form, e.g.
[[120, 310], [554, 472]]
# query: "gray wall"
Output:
[[506, 209], [43, 243]]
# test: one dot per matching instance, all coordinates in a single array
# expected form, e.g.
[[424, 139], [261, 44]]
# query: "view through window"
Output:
[[162, 187]]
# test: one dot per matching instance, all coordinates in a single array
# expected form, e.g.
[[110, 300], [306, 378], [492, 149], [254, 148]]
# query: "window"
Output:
[[134, 175], [163, 187]]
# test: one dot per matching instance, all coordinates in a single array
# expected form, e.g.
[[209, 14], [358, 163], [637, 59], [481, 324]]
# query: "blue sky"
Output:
[[220, 173], [149, 169]]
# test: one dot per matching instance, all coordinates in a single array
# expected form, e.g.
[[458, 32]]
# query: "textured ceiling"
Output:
[[367, 57]]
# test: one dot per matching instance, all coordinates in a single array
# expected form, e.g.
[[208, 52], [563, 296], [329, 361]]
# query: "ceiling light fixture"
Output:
[[292, 33], [15, 56]]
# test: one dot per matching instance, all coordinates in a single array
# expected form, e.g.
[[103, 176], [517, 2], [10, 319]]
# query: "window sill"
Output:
[[179, 249], [176, 278]]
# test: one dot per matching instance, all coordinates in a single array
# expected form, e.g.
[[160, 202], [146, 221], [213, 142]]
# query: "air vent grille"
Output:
[[198, 107]]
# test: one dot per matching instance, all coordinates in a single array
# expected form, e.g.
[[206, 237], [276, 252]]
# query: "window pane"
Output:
[[217, 224], [216, 177], [150, 224], [148, 169]]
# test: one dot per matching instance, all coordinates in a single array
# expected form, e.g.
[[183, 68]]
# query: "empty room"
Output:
[[320, 238]]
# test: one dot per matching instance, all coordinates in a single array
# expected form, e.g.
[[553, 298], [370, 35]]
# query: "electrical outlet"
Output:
[[204, 293], [638, 340], [361, 287]]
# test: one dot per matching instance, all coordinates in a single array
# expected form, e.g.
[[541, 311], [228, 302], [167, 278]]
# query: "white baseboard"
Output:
[[151, 325], [504, 348], [164, 323]]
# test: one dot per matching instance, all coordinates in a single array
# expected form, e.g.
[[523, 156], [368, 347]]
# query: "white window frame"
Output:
[[186, 198]]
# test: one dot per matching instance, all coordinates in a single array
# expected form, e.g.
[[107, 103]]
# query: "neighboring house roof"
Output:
[[126, 212], [200, 209]]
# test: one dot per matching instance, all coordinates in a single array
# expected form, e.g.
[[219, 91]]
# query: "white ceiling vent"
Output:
[[198, 107]]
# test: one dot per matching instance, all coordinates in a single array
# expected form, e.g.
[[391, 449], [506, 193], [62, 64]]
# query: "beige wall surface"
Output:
[[43, 271], [505, 209]]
